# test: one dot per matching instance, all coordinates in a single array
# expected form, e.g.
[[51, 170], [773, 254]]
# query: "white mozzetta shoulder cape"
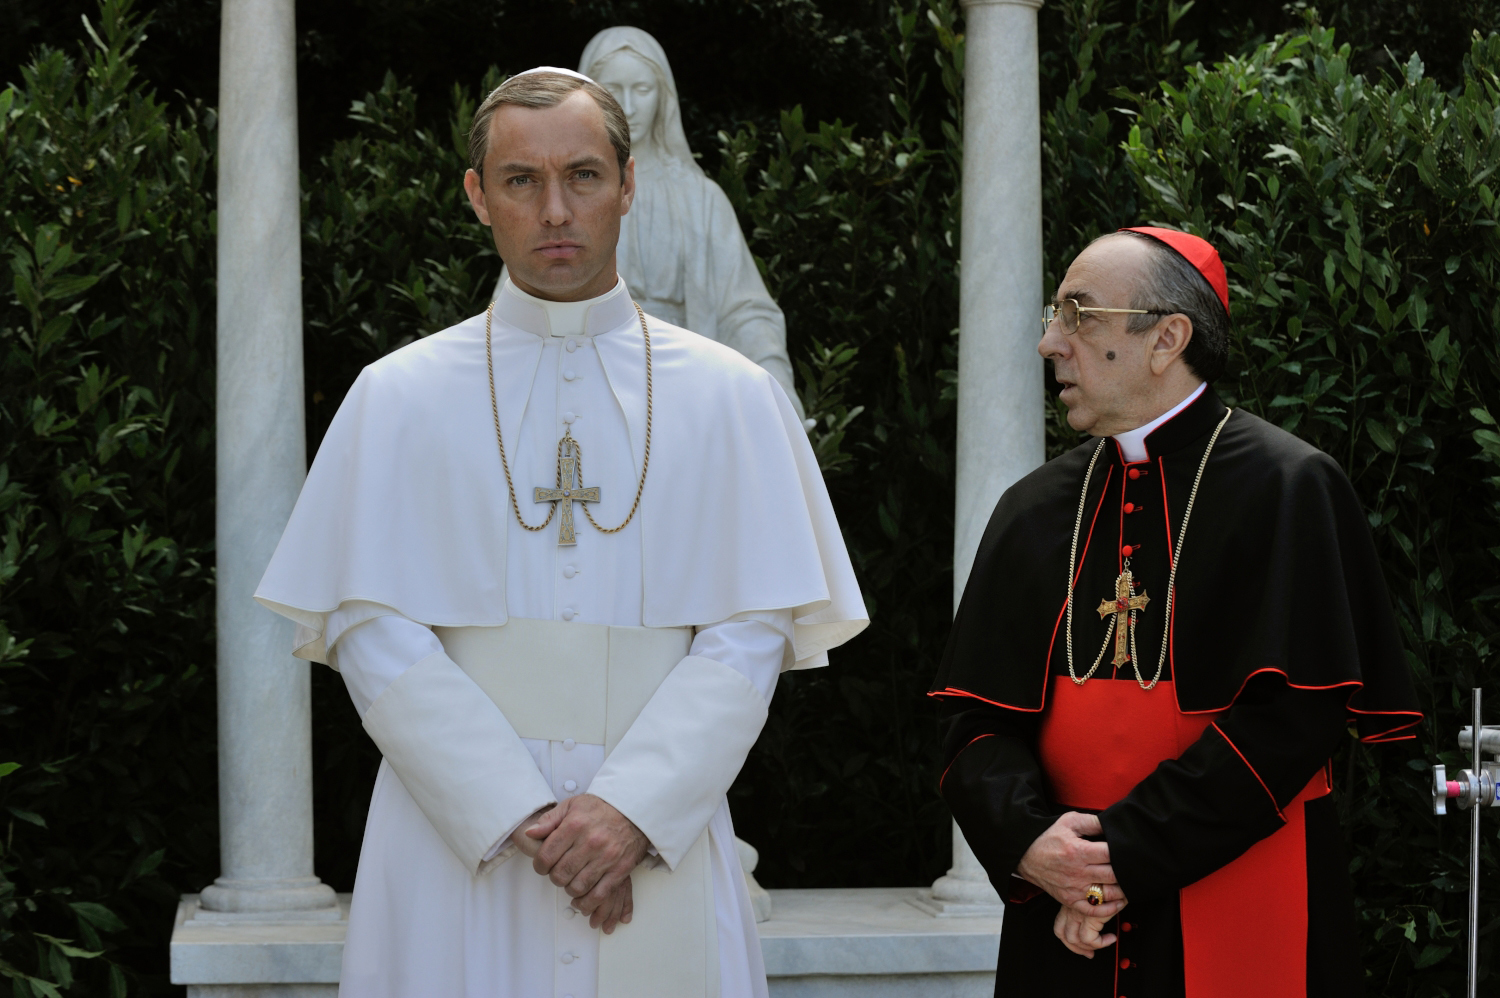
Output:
[[406, 502]]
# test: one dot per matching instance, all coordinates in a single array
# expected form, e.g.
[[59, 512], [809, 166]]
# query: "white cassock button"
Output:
[[570, 375], [570, 786], [568, 613], [566, 958], [569, 571], [572, 345], [568, 418], [568, 744]]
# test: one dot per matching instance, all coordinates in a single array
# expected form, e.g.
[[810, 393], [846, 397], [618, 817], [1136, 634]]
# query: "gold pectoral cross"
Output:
[[570, 488], [1123, 606]]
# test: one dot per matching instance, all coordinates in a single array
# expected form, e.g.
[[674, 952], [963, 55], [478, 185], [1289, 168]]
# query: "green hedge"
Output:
[[1359, 222], [106, 513]]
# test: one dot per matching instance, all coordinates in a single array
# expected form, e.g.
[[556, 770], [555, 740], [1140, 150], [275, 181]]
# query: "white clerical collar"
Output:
[[1133, 442], [541, 317]]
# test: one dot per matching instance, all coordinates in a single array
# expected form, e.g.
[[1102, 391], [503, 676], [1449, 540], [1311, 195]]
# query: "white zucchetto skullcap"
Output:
[[554, 69]]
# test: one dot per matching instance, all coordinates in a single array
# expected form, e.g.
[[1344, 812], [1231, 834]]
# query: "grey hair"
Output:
[[1174, 285], [542, 90]]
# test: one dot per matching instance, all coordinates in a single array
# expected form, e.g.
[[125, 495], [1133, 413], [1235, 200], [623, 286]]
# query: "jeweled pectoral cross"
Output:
[[570, 489], [1123, 606]]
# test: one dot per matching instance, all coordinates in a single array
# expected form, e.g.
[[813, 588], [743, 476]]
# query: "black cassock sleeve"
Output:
[[994, 786], [1191, 816], [1201, 811]]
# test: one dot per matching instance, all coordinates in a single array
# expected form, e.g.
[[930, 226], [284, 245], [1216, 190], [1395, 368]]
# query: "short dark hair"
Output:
[[1174, 285], [545, 89]]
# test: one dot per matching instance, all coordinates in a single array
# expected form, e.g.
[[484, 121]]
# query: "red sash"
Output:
[[1097, 742]]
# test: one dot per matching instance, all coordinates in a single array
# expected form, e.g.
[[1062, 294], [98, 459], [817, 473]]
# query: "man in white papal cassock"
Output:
[[560, 553]]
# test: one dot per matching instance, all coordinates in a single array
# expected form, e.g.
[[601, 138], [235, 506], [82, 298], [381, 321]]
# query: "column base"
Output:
[[263, 991], [938, 907], [289, 899], [267, 957]]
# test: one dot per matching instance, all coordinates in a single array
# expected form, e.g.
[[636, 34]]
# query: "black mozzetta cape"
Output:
[[1282, 626], [1278, 575]]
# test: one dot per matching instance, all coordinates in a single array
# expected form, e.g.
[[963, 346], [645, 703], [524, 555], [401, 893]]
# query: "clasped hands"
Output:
[[1064, 864], [587, 848]]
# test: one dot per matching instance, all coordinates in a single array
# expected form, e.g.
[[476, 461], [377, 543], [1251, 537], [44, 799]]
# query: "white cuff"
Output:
[[458, 757], [677, 761]]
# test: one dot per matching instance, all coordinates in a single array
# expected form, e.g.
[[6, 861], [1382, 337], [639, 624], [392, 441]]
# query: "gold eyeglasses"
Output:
[[1069, 311]]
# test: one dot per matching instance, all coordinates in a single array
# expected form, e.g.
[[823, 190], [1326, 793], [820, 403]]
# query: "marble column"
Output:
[[265, 727], [1000, 393]]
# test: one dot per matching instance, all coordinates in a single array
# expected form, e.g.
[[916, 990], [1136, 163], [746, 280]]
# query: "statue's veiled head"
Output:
[[633, 67]]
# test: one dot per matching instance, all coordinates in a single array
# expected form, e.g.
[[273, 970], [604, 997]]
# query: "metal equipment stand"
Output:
[[1473, 787]]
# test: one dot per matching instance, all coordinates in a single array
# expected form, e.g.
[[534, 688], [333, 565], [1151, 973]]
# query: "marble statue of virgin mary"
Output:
[[681, 250]]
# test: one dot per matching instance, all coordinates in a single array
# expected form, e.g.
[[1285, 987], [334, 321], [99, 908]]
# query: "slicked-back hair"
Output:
[[542, 90], [1174, 285]]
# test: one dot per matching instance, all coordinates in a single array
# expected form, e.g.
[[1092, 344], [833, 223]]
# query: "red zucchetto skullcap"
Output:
[[1203, 257]]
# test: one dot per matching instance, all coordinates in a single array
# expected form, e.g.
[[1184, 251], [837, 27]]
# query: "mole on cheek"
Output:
[[1110, 355]]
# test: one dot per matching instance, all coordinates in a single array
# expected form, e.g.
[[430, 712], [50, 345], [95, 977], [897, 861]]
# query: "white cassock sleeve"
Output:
[[475, 787], [672, 768]]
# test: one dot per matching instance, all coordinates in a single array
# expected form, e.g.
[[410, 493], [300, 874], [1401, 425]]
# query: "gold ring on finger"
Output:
[[1095, 894]]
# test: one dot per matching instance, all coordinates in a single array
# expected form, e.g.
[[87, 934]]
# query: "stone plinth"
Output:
[[872, 943], [843, 943], [240, 958]]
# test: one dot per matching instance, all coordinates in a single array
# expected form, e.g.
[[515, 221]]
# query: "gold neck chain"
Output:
[[1135, 661], [489, 357]]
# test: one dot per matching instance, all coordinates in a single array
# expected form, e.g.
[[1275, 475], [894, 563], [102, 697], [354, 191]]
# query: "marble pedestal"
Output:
[[842, 943], [875, 943]]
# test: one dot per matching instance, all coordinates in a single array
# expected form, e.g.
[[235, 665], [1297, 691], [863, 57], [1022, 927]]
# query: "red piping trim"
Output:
[[1390, 734], [1228, 741], [1170, 637], [1383, 736], [1114, 670], [1120, 526], [1353, 682], [1375, 739], [987, 734], [1161, 471], [952, 691], [1395, 713], [1078, 570]]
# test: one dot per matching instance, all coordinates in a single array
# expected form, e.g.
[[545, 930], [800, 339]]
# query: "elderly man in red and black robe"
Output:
[[1165, 636]]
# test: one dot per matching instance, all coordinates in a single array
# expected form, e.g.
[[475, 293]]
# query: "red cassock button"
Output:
[[1126, 927], [1130, 507], [1136, 472], [1127, 550], [1125, 964]]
